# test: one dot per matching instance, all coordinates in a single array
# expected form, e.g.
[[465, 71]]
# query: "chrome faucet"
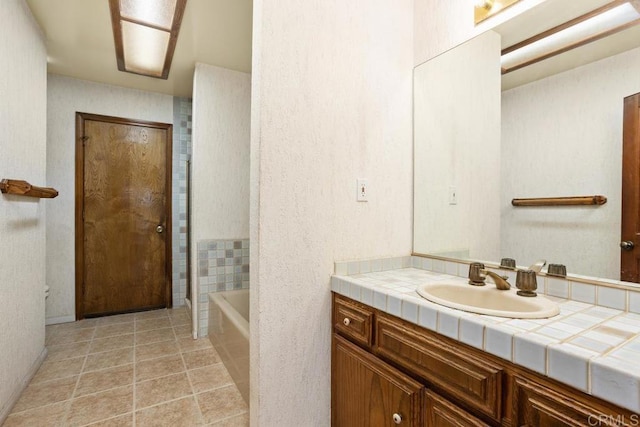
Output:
[[500, 281]]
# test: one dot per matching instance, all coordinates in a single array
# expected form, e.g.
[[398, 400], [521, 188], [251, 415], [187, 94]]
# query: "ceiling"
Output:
[[80, 42]]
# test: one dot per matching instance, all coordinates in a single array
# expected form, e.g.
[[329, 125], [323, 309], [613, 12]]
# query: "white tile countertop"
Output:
[[592, 348]]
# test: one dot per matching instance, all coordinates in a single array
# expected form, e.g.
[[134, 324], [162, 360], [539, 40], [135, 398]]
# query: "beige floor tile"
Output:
[[221, 403], [121, 421], [100, 406], [157, 335], [46, 416], [153, 314], [162, 366], [239, 421], [151, 324], [60, 369], [180, 319], [158, 349], [209, 377], [182, 331], [67, 351], [41, 394], [111, 343], [183, 412], [81, 324], [189, 344], [113, 330], [108, 359], [70, 336], [200, 358], [120, 318], [159, 390], [97, 381]]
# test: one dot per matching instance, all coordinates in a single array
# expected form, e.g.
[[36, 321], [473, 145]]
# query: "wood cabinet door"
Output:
[[368, 392], [535, 405], [439, 412]]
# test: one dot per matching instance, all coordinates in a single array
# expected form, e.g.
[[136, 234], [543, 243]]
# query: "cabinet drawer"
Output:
[[442, 413], [474, 381], [353, 320], [535, 405]]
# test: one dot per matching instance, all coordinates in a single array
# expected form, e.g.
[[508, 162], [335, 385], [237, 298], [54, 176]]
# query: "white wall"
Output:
[[457, 144], [66, 96], [220, 160], [331, 102], [23, 85], [562, 136]]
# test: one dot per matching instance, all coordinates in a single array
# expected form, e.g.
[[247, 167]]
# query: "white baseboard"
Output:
[[6, 410], [60, 319]]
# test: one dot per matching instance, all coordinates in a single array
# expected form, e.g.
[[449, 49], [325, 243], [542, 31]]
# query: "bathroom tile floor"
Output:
[[139, 369]]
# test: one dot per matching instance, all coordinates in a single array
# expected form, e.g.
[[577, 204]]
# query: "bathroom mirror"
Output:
[[552, 129]]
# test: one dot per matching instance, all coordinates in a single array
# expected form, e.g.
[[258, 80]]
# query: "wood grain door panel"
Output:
[[630, 259], [124, 198]]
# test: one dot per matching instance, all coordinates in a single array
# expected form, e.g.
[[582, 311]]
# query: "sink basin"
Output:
[[488, 300]]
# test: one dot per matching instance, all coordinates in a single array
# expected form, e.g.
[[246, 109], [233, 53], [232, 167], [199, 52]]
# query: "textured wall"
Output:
[[66, 96], [332, 84], [457, 143], [220, 168], [562, 136], [23, 88]]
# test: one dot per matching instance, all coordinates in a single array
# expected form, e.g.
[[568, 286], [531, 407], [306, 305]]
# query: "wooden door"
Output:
[[123, 215], [630, 241], [439, 412], [368, 392]]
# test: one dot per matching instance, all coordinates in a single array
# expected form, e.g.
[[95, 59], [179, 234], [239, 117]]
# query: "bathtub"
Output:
[[229, 334]]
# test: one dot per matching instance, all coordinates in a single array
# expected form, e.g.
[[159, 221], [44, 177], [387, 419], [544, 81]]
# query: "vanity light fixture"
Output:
[[485, 9], [602, 22], [145, 33]]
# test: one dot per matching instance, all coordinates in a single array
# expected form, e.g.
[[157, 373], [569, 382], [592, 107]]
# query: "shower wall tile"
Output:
[[223, 265], [182, 126]]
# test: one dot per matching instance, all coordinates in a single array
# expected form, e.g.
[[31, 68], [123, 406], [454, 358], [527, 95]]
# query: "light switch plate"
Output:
[[363, 190]]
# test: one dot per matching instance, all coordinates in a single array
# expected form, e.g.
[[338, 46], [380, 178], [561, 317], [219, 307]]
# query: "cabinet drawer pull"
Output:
[[346, 321], [397, 418]]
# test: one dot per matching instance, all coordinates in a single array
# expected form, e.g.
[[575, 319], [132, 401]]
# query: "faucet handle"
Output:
[[527, 283], [475, 276]]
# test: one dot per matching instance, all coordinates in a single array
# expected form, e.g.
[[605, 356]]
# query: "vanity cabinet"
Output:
[[387, 371]]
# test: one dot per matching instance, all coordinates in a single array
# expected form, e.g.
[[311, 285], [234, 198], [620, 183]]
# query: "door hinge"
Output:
[[84, 139]]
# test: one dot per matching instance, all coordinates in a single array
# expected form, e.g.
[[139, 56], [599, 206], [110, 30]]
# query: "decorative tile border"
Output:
[[585, 346], [223, 265]]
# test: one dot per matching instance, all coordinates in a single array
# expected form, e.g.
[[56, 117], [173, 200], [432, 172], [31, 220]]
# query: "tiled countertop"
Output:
[[592, 348]]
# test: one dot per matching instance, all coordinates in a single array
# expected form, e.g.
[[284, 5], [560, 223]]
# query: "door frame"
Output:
[[79, 201]]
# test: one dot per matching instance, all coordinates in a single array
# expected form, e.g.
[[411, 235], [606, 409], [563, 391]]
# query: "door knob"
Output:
[[397, 418], [627, 245], [159, 229]]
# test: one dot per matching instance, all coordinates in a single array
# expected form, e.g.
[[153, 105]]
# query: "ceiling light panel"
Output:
[[145, 34], [145, 48], [157, 13], [582, 32]]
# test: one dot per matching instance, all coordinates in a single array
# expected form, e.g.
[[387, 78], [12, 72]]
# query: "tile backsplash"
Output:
[[608, 294], [223, 265]]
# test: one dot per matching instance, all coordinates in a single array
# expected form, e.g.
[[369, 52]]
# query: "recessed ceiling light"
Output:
[[609, 19], [145, 33]]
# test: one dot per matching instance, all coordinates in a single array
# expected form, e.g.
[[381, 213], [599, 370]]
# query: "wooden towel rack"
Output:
[[23, 188], [561, 201]]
